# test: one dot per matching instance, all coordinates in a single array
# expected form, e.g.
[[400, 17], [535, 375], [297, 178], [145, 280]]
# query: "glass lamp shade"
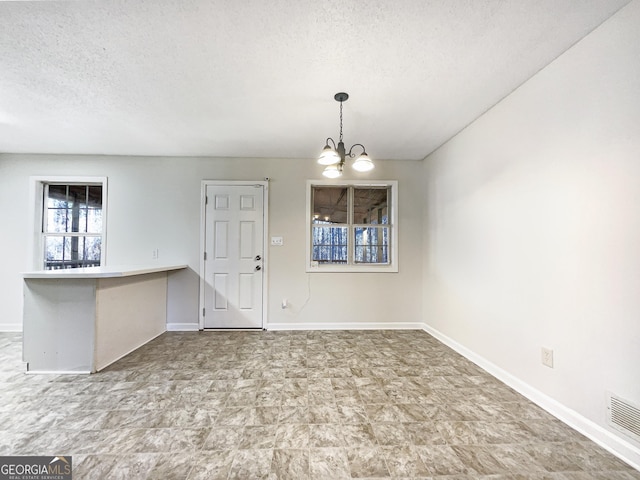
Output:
[[332, 171], [363, 163], [328, 156]]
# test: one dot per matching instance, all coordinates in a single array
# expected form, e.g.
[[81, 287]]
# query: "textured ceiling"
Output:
[[256, 78]]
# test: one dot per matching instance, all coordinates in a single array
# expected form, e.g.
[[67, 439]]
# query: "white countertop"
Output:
[[102, 272]]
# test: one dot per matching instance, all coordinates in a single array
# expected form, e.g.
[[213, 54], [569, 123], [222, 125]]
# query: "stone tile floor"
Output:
[[290, 405]]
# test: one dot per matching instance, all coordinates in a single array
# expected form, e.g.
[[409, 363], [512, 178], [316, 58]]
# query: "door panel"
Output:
[[233, 273], [221, 240], [247, 240], [246, 291], [220, 289]]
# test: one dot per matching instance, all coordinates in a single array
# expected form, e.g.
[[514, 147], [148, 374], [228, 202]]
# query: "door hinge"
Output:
[[203, 312], [206, 200], [205, 255]]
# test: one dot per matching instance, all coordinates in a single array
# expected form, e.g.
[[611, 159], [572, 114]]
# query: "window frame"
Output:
[[391, 267], [38, 187]]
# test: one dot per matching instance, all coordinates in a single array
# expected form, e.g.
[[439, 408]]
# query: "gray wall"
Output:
[[155, 203], [532, 229]]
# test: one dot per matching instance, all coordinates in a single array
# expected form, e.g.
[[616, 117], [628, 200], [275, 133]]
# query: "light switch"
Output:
[[277, 241]]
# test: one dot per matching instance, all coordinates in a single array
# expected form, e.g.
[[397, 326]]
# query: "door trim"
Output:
[[265, 236]]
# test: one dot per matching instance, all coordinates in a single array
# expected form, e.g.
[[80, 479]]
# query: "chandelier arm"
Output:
[[364, 150], [334, 143]]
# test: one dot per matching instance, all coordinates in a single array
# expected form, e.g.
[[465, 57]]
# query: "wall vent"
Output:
[[624, 416]]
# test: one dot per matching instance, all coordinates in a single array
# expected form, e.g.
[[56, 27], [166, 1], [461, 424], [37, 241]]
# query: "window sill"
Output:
[[352, 268]]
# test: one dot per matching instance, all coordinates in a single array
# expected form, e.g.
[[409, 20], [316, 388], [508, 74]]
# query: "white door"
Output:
[[233, 257]]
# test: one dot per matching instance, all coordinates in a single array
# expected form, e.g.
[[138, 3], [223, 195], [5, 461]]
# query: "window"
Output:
[[72, 224], [351, 226]]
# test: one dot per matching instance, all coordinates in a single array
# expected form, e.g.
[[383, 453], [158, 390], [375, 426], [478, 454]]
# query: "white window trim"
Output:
[[36, 189], [392, 266]]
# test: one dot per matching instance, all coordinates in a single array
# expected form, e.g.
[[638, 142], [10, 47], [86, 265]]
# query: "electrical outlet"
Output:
[[547, 357], [155, 254]]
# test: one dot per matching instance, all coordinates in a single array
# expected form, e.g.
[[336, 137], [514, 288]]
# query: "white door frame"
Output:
[[265, 257]]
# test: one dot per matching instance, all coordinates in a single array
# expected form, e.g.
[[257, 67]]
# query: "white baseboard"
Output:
[[346, 326], [606, 439], [58, 372], [182, 327], [11, 327]]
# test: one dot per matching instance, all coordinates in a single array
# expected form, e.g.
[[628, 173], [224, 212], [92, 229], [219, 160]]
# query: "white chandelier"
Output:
[[334, 156]]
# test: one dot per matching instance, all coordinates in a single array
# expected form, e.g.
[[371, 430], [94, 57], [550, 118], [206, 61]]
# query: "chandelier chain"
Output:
[[341, 121]]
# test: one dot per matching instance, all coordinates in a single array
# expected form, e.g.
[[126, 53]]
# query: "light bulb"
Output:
[[363, 163], [328, 156], [332, 171]]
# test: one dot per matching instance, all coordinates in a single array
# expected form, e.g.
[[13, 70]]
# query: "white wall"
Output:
[[532, 231], [155, 203]]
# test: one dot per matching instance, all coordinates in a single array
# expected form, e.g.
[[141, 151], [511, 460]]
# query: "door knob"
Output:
[[258, 258], [258, 268]]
